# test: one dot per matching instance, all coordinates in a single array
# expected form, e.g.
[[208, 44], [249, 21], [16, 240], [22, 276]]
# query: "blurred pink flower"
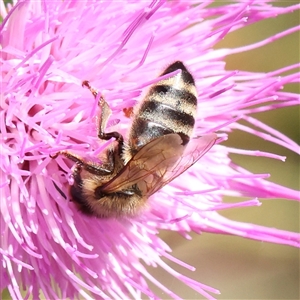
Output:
[[48, 49]]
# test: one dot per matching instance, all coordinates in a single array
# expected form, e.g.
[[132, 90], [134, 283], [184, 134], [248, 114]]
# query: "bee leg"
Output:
[[104, 116], [98, 169], [76, 158], [91, 167]]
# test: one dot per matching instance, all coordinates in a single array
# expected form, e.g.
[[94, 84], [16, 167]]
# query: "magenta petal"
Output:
[[48, 48]]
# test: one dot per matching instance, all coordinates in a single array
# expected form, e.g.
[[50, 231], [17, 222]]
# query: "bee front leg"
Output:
[[103, 118], [76, 158], [91, 167]]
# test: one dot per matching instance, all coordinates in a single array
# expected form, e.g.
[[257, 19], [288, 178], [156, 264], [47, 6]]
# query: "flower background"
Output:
[[236, 266]]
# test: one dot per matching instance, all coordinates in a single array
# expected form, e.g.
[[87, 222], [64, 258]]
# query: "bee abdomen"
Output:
[[157, 118], [169, 107], [185, 74]]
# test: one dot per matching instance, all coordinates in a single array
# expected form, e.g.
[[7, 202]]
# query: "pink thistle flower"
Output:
[[48, 49]]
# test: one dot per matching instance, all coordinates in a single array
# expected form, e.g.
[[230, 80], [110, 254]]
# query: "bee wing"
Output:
[[196, 148], [159, 162], [152, 157]]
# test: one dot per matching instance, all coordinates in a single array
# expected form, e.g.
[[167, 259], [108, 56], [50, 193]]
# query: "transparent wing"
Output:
[[196, 148], [159, 162], [149, 160]]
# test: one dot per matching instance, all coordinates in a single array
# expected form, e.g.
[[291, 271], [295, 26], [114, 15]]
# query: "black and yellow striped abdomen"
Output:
[[169, 107]]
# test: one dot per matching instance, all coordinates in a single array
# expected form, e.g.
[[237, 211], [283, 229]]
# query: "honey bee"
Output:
[[158, 149]]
